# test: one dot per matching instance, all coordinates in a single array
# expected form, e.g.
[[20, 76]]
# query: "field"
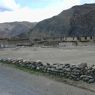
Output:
[[73, 55]]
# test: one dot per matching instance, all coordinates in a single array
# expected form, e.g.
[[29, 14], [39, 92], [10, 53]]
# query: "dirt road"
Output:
[[17, 82]]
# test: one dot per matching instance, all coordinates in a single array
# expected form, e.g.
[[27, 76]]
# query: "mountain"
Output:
[[76, 21], [15, 29]]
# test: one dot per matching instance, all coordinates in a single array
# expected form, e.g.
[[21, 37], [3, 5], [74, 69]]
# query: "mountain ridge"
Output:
[[15, 29], [76, 21]]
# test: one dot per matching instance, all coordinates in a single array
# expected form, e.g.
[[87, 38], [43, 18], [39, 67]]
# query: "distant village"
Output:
[[49, 41]]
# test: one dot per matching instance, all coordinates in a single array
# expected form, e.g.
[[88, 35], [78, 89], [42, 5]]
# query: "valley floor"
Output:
[[72, 55]]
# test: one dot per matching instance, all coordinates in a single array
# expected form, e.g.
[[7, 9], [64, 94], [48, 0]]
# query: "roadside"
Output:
[[78, 84]]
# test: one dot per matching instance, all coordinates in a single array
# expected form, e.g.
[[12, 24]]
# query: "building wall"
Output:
[[86, 44], [86, 38], [64, 41], [13, 43], [71, 39]]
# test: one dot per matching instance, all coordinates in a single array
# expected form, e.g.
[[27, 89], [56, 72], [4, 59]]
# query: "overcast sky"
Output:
[[34, 10]]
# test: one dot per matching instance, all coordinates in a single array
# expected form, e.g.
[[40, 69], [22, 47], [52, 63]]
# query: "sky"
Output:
[[34, 10]]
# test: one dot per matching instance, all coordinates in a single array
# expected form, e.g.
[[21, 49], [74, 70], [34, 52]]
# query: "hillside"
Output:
[[15, 29], [76, 21]]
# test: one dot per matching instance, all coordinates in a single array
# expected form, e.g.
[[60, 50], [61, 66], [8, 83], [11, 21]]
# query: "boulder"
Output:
[[82, 65]]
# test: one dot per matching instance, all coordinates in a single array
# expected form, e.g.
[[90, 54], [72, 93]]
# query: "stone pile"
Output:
[[81, 72]]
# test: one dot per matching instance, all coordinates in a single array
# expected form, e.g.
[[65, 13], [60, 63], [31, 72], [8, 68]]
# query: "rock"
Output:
[[82, 65], [67, 65], [91, 81]]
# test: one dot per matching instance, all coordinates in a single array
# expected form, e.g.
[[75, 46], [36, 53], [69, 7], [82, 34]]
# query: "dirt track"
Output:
[[17, 82]]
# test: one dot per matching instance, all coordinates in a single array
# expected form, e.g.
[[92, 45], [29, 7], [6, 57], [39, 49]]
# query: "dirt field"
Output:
[[73, 55]]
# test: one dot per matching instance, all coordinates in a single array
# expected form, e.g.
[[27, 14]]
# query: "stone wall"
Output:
[[81, 72]]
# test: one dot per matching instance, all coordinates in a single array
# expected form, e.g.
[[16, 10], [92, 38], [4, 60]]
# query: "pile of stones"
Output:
[[80, 72]]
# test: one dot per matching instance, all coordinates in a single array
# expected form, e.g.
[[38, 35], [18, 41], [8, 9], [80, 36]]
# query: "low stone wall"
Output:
[[79, 43], [67, 44], [81, 72], [86, 43]]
